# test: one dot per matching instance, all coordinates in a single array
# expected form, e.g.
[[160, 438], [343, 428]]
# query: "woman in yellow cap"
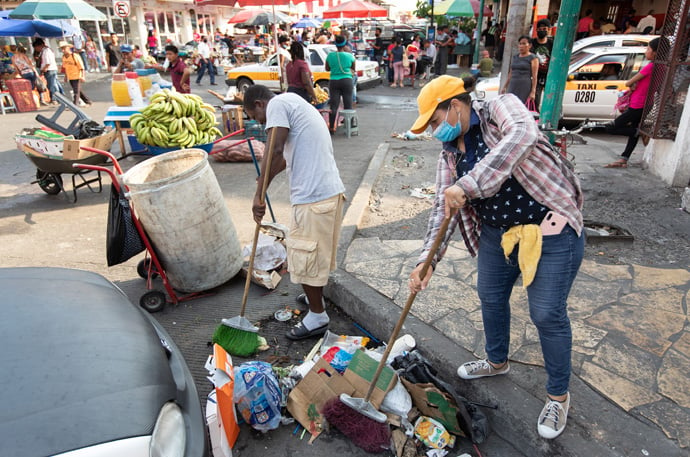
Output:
[[508, 186]]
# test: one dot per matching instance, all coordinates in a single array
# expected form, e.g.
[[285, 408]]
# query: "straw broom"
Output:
[[237, 335], [357, 418]]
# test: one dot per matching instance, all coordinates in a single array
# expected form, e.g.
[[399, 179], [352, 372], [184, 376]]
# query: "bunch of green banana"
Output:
[[175, 120]]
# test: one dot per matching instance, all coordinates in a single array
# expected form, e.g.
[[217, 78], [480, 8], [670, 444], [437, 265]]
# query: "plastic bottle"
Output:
[[119, 90], [403, 344], [144, 79], [134, 89]]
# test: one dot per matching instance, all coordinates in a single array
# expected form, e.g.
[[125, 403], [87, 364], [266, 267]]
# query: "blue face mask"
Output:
[[446, 132]]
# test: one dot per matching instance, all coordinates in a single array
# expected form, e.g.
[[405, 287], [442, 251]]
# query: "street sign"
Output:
[[121, 8]]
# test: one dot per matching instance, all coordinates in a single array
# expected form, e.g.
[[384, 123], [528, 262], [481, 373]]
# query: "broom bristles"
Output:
[[235, 341], [364, 432]]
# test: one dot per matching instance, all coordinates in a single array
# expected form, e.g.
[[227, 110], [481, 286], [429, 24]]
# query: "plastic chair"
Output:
[[5, 96], [350, 123]]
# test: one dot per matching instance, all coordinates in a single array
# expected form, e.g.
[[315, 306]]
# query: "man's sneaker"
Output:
[[553, 417], [480, 369]]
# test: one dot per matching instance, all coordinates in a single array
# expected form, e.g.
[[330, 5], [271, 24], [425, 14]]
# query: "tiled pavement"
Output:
[[630, 341]]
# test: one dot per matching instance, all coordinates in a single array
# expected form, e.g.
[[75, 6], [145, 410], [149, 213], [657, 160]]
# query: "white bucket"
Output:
[[178, 200]]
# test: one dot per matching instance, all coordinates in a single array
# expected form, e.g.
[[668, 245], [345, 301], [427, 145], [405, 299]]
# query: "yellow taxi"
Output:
[[595, 77], [266, 72]]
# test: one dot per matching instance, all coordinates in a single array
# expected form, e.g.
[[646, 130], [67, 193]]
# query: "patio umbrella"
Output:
[[34, 28], [57, 9], [307, 22], [460, 8], [258, 17], [355, 9]]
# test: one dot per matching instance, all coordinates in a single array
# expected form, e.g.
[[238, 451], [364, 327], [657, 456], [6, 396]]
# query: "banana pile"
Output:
[[321, 95], [173, 120]]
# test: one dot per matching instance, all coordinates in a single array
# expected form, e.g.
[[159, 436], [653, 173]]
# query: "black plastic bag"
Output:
[[416, 368], [123, 240]]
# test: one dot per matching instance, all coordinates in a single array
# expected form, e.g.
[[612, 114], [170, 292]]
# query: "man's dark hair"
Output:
[[38, 42], [378, 29], [172, 49], [296, 51], [543, 23], [255, 93], [283, 39], [588, 12]]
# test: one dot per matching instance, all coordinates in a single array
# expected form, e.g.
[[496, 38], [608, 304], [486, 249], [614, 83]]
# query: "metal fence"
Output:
[[668, 89]]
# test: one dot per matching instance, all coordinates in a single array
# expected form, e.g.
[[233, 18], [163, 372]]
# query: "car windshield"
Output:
[[329, 49], [577, 58]]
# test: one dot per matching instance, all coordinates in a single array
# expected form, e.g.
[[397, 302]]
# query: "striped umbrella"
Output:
[[57, 9]]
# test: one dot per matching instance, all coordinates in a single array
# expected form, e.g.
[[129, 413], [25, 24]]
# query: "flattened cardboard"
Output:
[[306, 400], [433, 403], [361, 371]]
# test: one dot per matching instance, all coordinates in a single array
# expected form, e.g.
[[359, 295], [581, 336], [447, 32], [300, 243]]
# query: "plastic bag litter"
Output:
[[432, 433], [397, 401], [348, 343], [270, 253], [257, 395]]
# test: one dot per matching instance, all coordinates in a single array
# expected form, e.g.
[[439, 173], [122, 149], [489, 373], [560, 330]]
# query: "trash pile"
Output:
[[407, 409]]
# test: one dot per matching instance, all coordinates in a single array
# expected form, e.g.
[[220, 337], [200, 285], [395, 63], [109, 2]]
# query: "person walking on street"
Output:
[[542, 47], [522, 76], [627, 123], [378, 47], [179, 73], [92, 55], [341, 64], [397, 53], [299, 77], [205, 62], [48, 68], [508, 186], [112, 53], [302, 148], [75, 73]]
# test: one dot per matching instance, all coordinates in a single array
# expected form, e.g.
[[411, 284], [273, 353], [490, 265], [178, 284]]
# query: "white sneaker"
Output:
[[553, 418], [481, 369]]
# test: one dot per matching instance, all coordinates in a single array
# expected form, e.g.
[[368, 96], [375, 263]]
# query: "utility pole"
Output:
[[552, 99], [515, 27], [480, 19]]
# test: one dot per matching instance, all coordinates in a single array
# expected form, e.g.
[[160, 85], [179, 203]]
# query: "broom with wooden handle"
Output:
[[357, 418], [237, 335]]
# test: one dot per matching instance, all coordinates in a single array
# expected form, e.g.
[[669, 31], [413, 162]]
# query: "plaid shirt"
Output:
[[519, 149]]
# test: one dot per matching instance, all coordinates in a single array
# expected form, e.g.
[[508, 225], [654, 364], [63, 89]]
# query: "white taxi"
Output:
[[589, 93], [266, 72]]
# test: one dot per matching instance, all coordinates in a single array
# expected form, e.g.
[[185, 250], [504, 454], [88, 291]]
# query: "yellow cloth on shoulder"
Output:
[[529, 238]]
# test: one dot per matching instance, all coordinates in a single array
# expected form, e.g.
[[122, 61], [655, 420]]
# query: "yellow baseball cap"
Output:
[[435, 92]]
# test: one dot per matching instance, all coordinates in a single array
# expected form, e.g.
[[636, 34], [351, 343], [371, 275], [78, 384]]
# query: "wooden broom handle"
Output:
[[408, 305], [262, 196]]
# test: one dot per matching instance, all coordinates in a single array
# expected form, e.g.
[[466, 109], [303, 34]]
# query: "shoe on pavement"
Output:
[[481, 369], [553, 418]]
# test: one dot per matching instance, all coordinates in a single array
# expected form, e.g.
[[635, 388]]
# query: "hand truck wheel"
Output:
[[143, 269], [152, 301]]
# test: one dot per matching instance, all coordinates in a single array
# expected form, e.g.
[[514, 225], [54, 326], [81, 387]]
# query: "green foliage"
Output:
[[423, 9]]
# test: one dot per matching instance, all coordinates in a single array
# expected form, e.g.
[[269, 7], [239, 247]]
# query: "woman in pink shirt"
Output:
[[628, 122]]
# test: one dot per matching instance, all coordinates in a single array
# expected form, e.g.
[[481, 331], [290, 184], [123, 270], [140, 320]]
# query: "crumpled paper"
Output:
[[270, 253]]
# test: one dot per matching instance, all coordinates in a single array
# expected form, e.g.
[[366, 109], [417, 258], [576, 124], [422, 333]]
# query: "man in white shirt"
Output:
[[648, 21], [205, 62], [303, 148], [426, 59], [48, 68]]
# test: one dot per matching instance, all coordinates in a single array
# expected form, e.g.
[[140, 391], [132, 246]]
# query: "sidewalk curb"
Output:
[[596, 427]]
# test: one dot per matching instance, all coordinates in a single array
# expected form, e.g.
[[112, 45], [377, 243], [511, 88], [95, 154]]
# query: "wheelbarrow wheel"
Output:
[[152, 301], [143, 269], [51, 183]]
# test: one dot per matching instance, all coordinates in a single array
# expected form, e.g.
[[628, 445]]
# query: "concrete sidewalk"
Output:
[[631, 344]]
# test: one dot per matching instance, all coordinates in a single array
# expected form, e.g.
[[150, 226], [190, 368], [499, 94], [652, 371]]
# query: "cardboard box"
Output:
[[71, 149], [323, 383], [222, 376], [432, 402]]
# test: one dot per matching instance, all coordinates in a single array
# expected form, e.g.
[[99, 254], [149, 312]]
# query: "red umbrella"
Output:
[[355, 8]]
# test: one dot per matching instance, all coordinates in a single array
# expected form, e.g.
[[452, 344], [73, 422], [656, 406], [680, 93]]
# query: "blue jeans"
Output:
[[53, 85], [547, 296], [204, 65]]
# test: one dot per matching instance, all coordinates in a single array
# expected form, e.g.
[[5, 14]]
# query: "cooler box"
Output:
[[20, 90]]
